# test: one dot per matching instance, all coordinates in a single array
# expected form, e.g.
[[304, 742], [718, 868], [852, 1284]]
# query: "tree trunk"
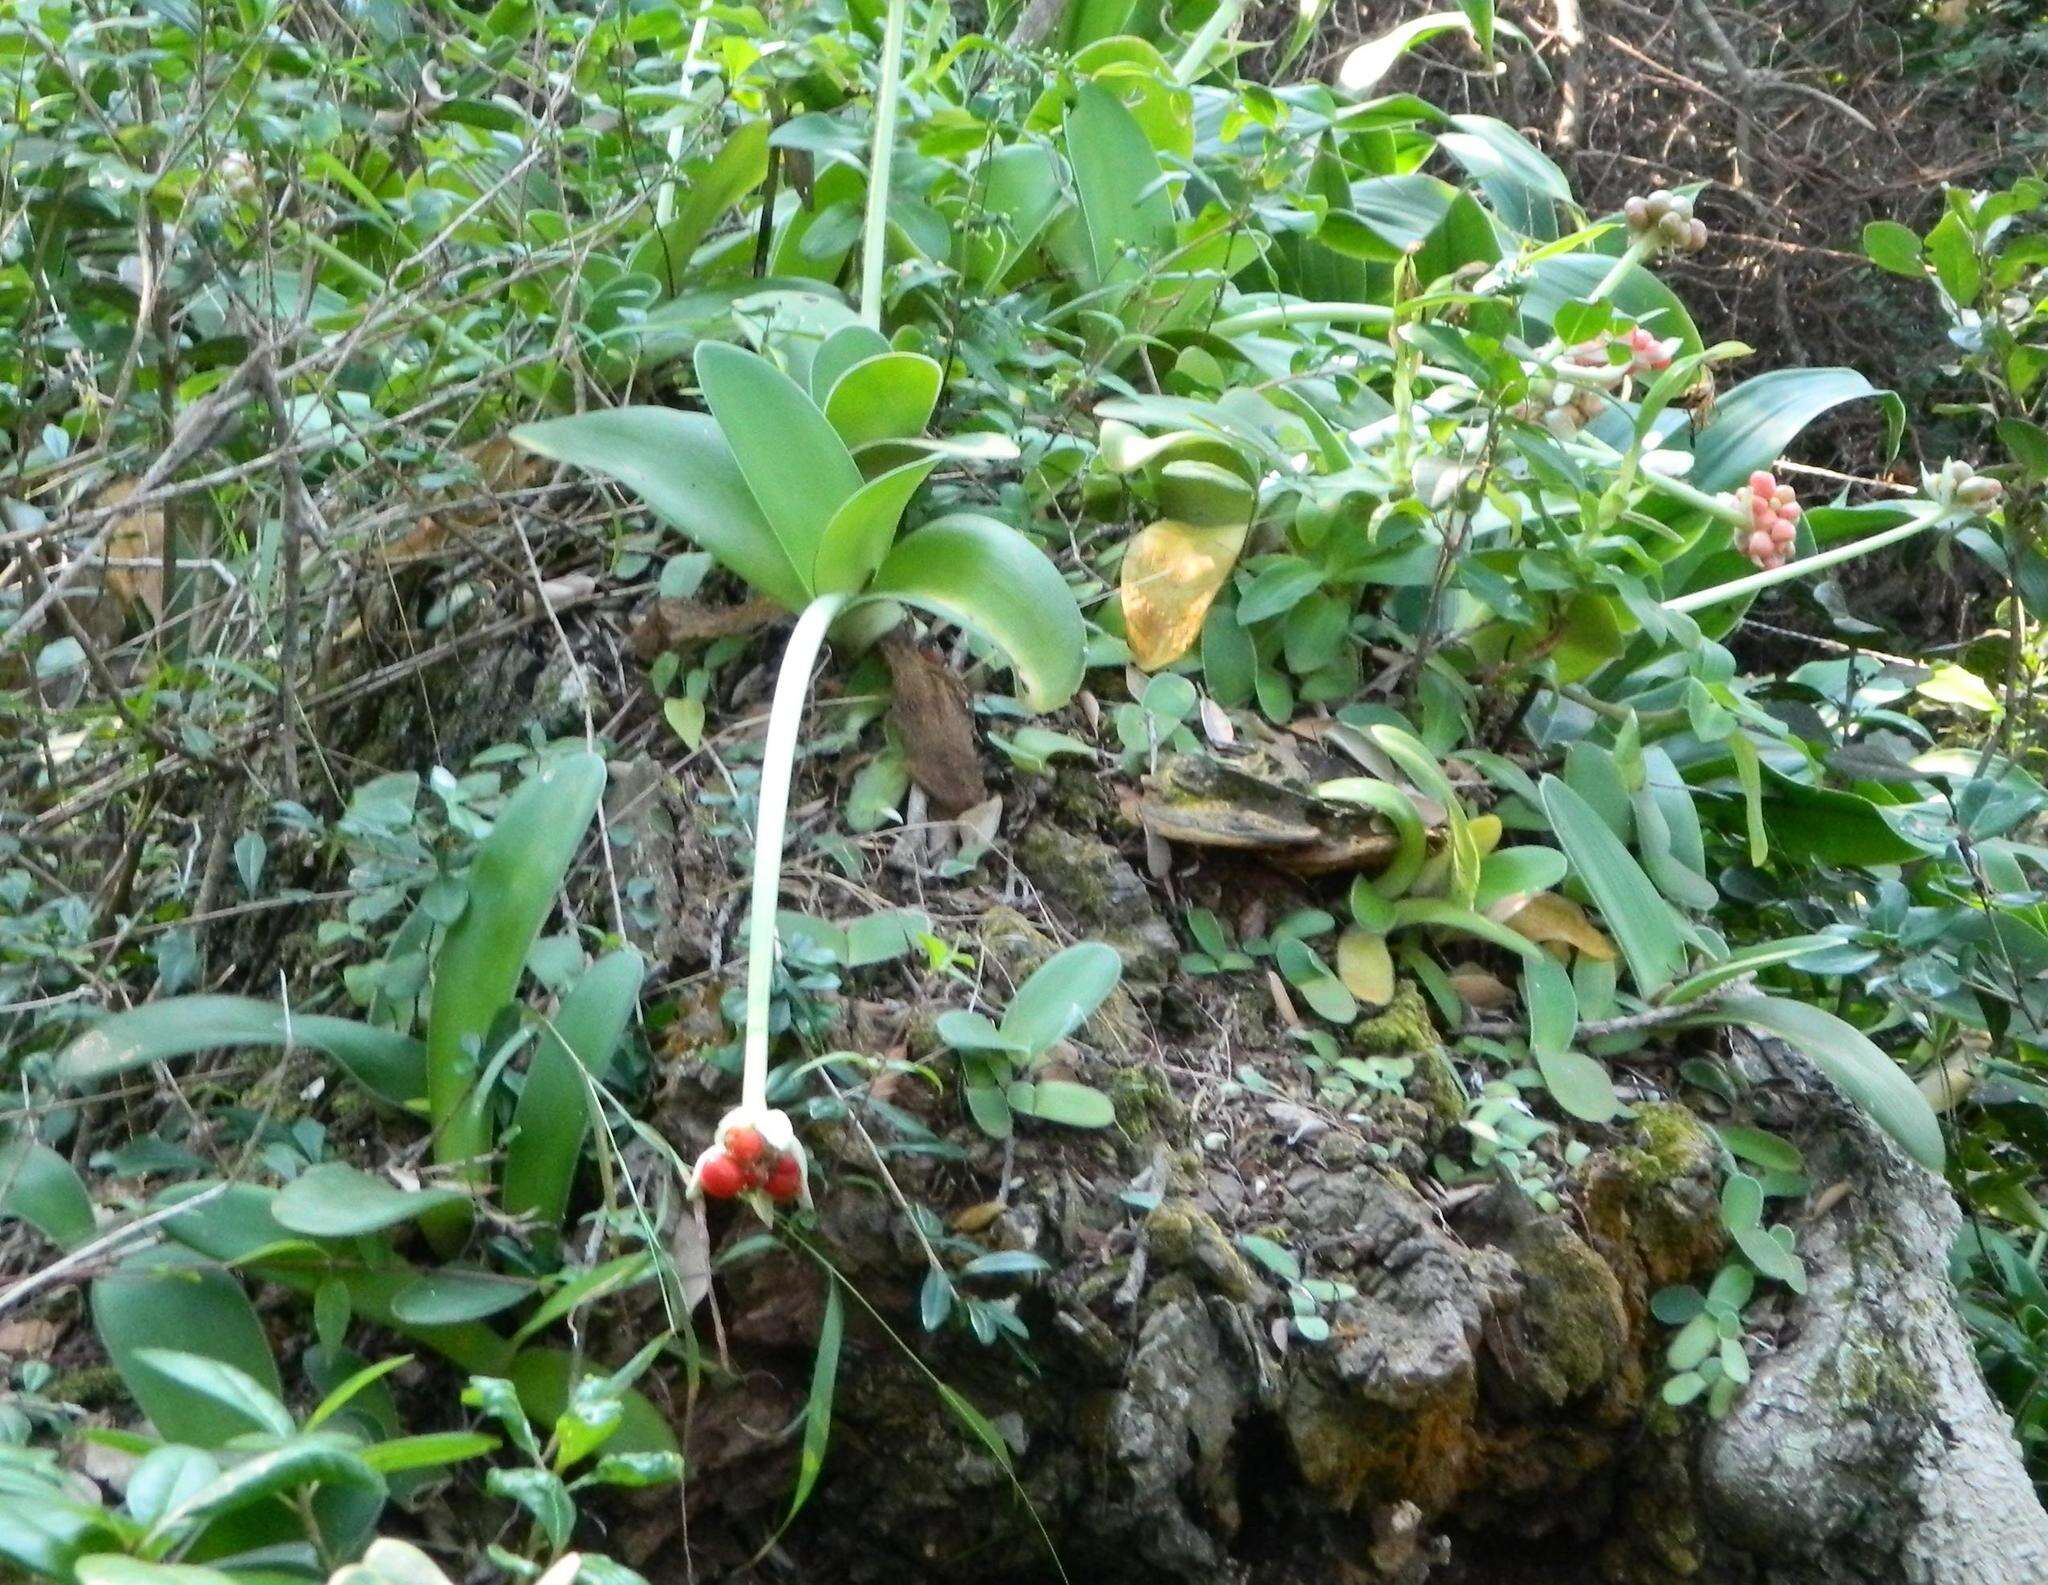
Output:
[[1484, 1409], [1869, 1448]]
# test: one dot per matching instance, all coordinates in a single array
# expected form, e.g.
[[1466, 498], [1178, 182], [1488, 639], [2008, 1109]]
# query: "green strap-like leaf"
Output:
[[991, 579], [1635, 914], [335, 1200], [681, 466], [233, 1390], [1841, 1051], [1758, 419], [170, 1296], [1021, 193], [46, 1532], [1061, 995], [554, 1116], [733, 172], [839, 352], [513, 883], [1061, 1101], [861, 531], [1571, 277], [112, 1568], [1385, 798], [390, 1066], [796, 466], [1126, 210], [319, 1458], [544, 1378], [40, 1187], [1747, 961]]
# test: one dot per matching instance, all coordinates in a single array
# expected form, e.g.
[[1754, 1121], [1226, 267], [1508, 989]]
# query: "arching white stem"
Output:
[[1721, 593], [785, 720], [874, 240], [1194, 59], [678, 135], [1277, 316]]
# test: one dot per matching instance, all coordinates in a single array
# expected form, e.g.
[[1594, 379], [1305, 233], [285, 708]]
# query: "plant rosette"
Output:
[[754, 1152]]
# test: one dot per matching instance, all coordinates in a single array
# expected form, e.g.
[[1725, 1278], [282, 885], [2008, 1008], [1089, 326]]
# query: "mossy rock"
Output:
[[1404, 1029], [1144, 1101], [1654, 1204], [1570, 1334], [1184, 1238], [1354, 1451], [1097, 889]]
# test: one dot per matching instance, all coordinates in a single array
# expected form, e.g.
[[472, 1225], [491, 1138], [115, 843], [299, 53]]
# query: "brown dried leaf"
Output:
[[1950, 1084], [1283, 1004], [669, 624], [502, 467], [135, 536], [1547, 918], [1477, 988], [931, 719], [691, 1247], [1171, 573], [30, 1339]]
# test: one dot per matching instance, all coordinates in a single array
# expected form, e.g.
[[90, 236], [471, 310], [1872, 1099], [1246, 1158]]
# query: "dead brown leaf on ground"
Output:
[[933, 723]]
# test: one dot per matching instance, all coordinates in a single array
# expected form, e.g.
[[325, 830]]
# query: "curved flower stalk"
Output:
[[1757, 513], [874, 241], [802, 494], [1658, 222]]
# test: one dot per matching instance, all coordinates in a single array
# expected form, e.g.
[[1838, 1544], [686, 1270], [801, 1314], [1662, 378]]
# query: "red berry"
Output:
[[786, 1179], [720, 1177], [745, 1144]]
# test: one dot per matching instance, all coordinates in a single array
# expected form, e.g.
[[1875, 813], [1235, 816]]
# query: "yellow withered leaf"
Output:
[[1365, 967], [1171, 573], [1547, 918]]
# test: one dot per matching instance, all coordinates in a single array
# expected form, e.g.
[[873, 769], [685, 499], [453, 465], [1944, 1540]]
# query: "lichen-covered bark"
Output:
[[1869, 1449]]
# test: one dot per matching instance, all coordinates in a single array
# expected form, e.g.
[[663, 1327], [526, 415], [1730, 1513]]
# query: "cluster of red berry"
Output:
[[1772, 513], [742, 1161]]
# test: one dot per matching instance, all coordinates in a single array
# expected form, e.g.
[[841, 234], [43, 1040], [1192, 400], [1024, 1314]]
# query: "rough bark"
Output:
[[1869, 1449], [1485, 1410]]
